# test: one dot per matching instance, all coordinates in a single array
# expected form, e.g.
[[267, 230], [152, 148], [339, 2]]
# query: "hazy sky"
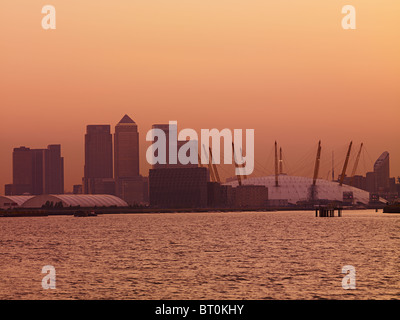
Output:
[[284, 68]]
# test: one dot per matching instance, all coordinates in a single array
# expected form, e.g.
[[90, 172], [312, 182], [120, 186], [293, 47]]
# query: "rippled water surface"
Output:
[[248, 255]]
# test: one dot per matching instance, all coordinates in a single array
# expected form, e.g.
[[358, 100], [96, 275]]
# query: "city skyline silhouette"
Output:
[[263, 166]]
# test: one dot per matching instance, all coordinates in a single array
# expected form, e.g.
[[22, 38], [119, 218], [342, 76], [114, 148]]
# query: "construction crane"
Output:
[[236, 165], [242, 165], [345, 164], [200, 164], [276, 165], [317, 161], [217, 179], [212, 176], [356, 165]]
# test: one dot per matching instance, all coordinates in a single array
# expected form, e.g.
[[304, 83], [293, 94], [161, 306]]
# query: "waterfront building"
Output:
[[37, 171], [250, 196], [178, 187]]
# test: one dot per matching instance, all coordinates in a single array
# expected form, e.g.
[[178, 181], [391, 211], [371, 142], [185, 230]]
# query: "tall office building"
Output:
[[171, 139], [382, 173], [54, 173], [166, 129], [128, 182], [98, 170], [22, 171], [126, 149], [174, 184], [77, 189], [378, 181], [37, 171]]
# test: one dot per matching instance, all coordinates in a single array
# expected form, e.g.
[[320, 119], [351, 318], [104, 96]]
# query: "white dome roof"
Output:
[[296, 189]]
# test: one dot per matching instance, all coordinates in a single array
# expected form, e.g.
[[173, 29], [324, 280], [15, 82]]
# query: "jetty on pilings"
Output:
[[327, 211]]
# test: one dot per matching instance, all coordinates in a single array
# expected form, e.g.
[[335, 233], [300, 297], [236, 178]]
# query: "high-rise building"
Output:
[[382, 172], [359, 182], [166, 129], [175, 184], [98, 168], [126, 149], [37, 171], [77, 189], [22, 171], [54, 173], [171, 139], [129, 183]]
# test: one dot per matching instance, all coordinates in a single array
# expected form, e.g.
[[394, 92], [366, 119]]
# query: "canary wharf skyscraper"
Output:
[[129, 184], [98, 171], [126, 149]]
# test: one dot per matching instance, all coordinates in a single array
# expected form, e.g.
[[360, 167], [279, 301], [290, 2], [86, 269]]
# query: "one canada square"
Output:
[[128, 182]]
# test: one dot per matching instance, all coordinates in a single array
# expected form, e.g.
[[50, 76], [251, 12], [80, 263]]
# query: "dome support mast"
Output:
[[346, 162], [276, 165], [317, 161]]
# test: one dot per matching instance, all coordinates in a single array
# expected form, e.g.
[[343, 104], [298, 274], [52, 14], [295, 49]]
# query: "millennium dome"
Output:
[[294, 189]]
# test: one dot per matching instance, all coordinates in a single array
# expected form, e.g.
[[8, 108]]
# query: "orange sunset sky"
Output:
[[284, 68]]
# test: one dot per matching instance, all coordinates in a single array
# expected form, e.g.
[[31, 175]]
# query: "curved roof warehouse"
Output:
[[82, 200], [13, 201]]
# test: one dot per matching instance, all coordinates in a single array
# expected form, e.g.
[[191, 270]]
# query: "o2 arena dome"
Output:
[[295, 189]]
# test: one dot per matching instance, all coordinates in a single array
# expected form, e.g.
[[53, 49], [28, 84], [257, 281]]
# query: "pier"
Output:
[[327, 212]]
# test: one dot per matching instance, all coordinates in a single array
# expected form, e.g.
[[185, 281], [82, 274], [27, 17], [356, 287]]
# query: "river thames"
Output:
[[241, 255]]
